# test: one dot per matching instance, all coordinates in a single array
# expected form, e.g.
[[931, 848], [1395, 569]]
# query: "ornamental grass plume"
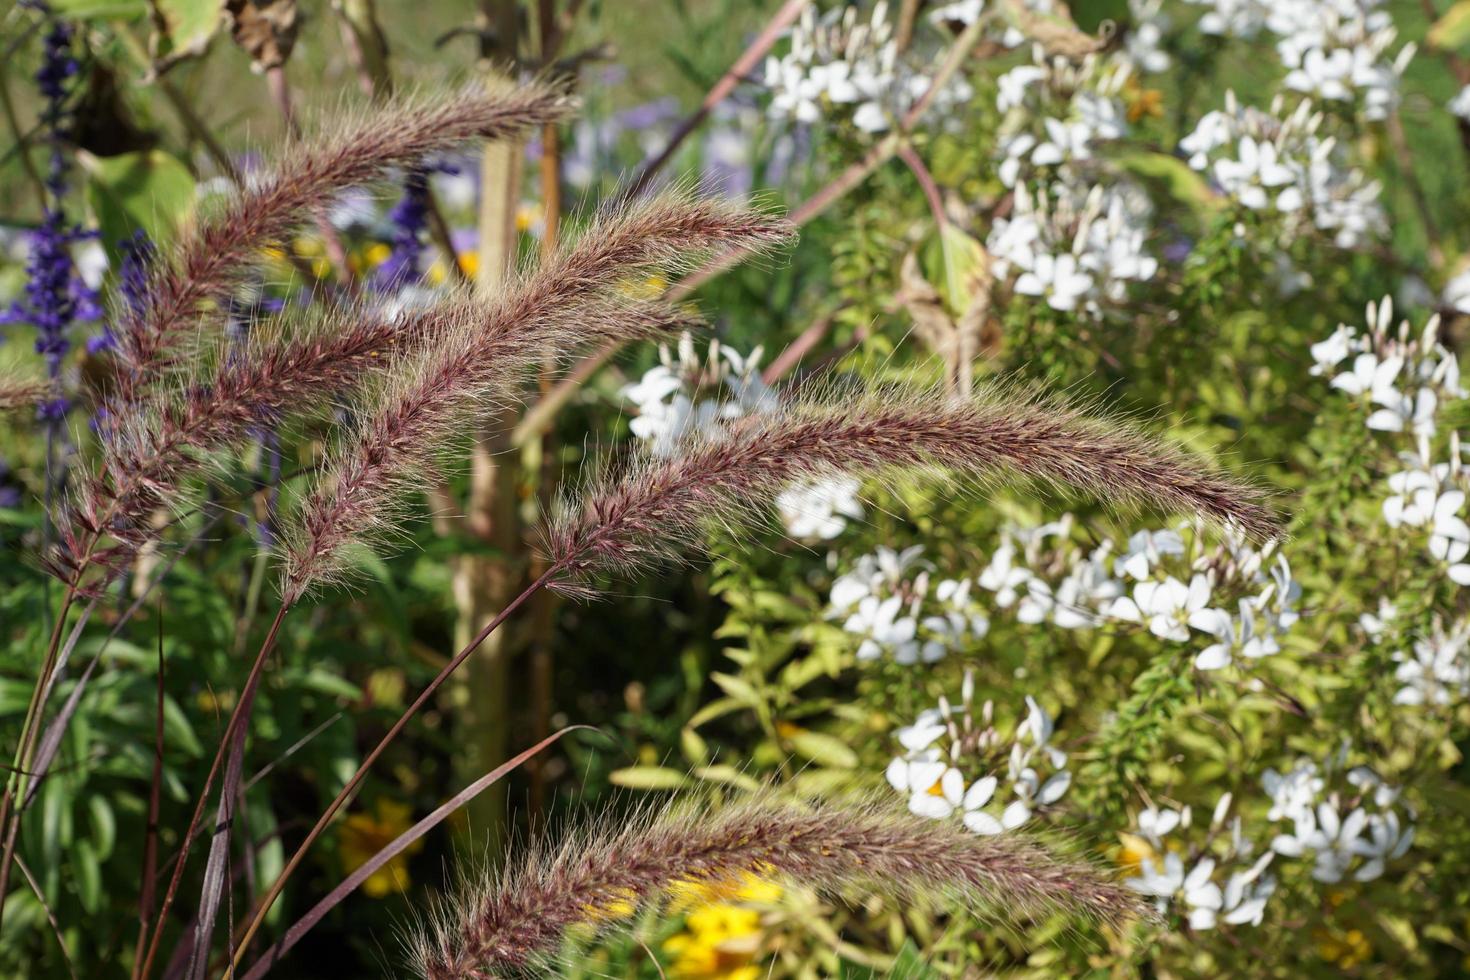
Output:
[[570, 300], [21, 392], [653, 507], [211, 257], [516, 919]]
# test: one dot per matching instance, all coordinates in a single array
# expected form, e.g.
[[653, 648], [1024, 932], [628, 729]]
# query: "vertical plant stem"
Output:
[[239, 718], [347, 791], [10, 810], [155, 794], [543, 607], [483, 582]]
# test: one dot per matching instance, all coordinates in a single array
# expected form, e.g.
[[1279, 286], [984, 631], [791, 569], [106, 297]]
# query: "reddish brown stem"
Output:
[[346, 792]]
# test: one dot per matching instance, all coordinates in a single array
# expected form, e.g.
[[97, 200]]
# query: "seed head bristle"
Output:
[[652, 507], [570, 300], [516, 919], [211, 257]]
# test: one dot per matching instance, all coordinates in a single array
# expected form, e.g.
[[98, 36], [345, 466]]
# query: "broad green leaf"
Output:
[[89, 875], [909, 964], [104, 825], [1452, 30], [648, 777], [696, 750], [738, 689], [100, 9], [1178, 179], [828, 750], [715, 709], [146, 191], [729, 776], [188, 25]]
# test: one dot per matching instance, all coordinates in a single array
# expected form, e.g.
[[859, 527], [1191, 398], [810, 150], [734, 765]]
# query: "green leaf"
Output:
[[104, 825], [648, 777], [696, 750], [89, 876], [954, 262], [147, 191], [909, 964], [100, 9], [827, 750], [738, 689], [1176, 177], [729, 776], [1452, 30], [188, 25]]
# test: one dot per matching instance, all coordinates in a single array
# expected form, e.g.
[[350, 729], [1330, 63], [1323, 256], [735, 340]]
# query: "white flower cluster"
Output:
[[1075, 249], [954, 766], [687, 396], [1214, 882], [1152, 582], [1279, 164], [690, 395], [840, 66], [1056, 111], [886, 600], [1335, 50], [1348, 833], [1437, 672], [1402, 382]]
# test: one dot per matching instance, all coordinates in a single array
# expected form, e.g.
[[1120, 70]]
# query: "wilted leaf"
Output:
[[265, 29], [1055, 31]]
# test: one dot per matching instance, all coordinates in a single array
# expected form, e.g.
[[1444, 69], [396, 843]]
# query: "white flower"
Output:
[[1436, 672], [1294, 792], [1449, 535], [1457, 290], [883, 629], [1237, 636], [1057, 278], [935, 788], [819, 508], [1169, 607], [1156, 824], [1460, 104], [1145, 550], [1329, 353], [1369, 375], [1003, 577]]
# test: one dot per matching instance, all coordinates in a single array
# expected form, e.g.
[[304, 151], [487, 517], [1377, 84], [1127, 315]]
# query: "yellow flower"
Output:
[[364, 835], [1143, 101], [691, 893], [528, 216], [722, 936], [469, 264], [1134, 852], [621, 907], [377, 254], [1349, 950], [719, 941]]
